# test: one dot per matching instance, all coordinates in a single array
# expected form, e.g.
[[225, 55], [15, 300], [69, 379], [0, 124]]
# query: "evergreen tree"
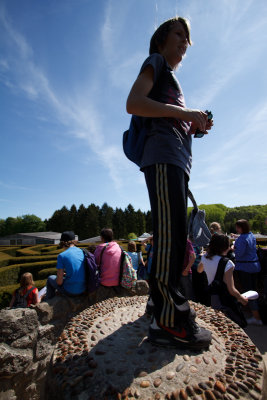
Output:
[[119, 224], [105, 216], [60, 221], [131, 219], [141, 222], [92, 221]]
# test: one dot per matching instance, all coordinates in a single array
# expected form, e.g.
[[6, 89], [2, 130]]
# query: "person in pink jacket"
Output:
[[108, 257]]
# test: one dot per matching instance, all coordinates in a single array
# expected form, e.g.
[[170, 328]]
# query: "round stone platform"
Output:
[[103, 353]]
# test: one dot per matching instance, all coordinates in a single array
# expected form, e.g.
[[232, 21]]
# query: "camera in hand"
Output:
[[198, 132]]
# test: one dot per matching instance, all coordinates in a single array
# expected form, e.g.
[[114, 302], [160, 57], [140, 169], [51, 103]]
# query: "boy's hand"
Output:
[[198, 118]]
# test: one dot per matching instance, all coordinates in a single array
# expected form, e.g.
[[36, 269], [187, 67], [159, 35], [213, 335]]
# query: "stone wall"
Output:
[[28, 337]]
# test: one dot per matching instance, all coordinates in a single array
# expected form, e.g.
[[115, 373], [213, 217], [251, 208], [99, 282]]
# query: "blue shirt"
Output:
[[246, 254], [134, 257], [72, 261]]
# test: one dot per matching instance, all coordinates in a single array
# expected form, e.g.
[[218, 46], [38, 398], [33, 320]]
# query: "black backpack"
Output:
[[230, 306], [21, 301]]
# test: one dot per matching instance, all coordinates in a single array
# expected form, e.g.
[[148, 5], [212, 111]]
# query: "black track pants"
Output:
[[167, 187]]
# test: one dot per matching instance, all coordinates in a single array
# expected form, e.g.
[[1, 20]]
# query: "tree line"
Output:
[[87, 222]]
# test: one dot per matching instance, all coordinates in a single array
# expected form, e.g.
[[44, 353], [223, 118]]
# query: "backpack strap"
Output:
[[28, 292], [220, 269], [191, 197], [121, 264]]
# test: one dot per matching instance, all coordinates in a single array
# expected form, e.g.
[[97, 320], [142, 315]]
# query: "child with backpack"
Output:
[[219, 270], [157, 96], [26, 294]]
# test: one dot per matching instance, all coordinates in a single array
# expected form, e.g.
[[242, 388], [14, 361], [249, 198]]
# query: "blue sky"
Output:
[[66, 68]]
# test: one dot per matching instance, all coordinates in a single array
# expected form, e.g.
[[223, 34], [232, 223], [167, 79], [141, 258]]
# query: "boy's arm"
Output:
[[60, 275], [139, 104]]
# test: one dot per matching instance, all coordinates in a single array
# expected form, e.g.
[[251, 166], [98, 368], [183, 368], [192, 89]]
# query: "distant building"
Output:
[[91, 240], [32, 238]]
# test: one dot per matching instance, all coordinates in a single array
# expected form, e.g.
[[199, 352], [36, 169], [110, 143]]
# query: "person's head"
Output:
[[26, 280], [67, 239], [171, 40], [106, 235], [242, 226], [219, 245], [132, 246], [215, 227]]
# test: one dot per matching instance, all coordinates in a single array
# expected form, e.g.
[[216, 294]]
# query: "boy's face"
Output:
[[175, 46]]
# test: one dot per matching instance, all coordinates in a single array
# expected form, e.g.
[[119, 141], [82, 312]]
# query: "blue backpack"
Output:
[[197, 227], [92, 275], [134, 139]]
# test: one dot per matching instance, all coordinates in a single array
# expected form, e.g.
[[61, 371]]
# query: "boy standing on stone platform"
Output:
[[157, 95]]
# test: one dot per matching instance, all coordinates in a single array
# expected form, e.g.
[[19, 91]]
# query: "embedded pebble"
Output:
[[220, 386], [193, 369], [180, 367], [186, 357], [145, 384], [157, 382], [170, 375]]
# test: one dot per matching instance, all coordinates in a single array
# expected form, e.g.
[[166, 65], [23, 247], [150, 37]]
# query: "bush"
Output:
[[22, 260], [49, 249], [5, 259], [44, 273], [11, 275], [30, 251], [11, 250]]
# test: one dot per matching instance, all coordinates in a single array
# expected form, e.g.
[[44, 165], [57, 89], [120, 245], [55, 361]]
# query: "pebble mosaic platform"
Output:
[[103, 353]]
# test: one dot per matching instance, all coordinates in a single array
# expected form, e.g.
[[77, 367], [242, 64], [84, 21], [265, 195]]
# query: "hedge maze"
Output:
[[40, 260]]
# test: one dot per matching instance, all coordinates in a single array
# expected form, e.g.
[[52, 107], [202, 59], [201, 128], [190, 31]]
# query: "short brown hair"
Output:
[[160, 35], [243, 224], [67, 244], [107, 234], [26, 280], [132, 247]]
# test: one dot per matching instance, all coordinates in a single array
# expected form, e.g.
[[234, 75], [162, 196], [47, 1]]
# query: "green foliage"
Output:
[[44, 273], [25, 223], [11, 274], [11, 250], [31, 259], [4, 259]]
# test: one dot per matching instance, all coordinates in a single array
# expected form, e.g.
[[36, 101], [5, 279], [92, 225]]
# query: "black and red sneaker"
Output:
[[189, 336]]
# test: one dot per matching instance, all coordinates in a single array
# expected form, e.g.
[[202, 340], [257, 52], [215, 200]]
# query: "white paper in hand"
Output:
[[251, 295]]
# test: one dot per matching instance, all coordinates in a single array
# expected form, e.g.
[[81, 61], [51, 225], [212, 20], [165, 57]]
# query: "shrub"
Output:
[[44, 273], [11, 275], [5, 259], [22, 260], [11, 250]]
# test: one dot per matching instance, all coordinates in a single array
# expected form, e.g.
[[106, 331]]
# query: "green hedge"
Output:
[[49, 248], [30, 251], [24, 259], [44, 273], [7, 291], [11, 250], [5, 259], [11, 275]]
